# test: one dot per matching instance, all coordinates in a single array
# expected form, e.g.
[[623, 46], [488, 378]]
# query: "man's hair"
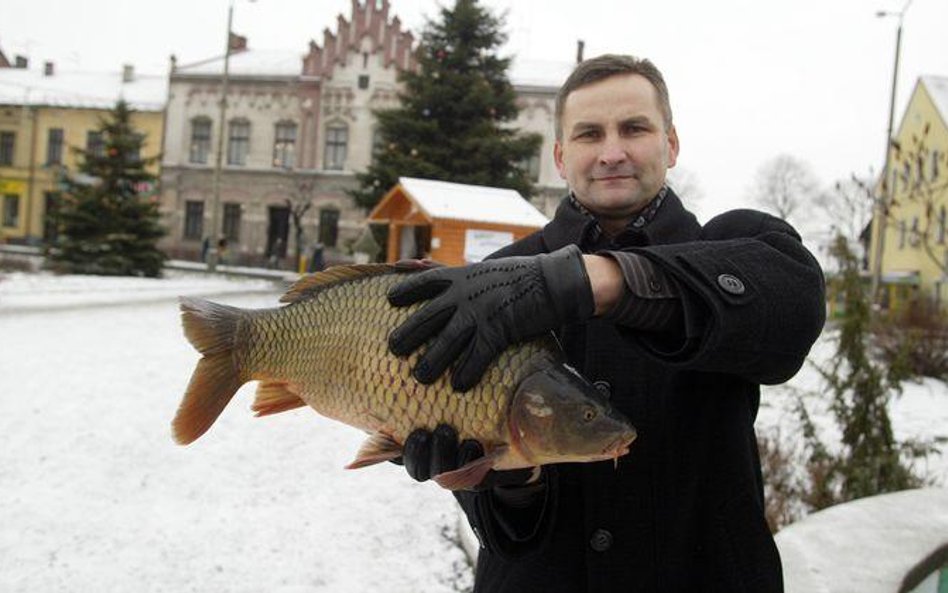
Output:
[[605, 66]]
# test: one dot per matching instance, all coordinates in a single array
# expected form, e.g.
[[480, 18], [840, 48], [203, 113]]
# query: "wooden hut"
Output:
[[452, 223]]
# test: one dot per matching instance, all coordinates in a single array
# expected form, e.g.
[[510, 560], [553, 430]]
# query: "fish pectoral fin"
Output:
[[470, 474], [377, 448], [274, 397]]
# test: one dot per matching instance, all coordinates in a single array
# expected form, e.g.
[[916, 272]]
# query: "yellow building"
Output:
[[44, 114], [915, 245]]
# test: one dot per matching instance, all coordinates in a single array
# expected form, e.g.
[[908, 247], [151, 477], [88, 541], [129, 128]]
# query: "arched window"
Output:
[[284, 145], [200, 140], [238, 142], [337, 145]]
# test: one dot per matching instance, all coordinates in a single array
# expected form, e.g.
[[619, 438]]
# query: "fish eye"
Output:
[[589, 414]]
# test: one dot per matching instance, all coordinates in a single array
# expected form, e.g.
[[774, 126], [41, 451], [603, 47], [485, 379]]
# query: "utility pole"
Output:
[[887, 190], [212, 253]]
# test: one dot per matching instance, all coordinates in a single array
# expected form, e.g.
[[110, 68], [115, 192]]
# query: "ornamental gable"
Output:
[[368, 32]]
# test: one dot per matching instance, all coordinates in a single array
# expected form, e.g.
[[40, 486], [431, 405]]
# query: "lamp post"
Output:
[[887, 191], [216, 232]]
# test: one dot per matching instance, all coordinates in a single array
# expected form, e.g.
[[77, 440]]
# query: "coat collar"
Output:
[[570, 226]]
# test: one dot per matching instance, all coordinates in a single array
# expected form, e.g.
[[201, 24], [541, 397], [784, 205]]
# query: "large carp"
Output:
[[327, 348]]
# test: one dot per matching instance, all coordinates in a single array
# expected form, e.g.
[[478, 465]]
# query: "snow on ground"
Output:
[[920, 412], [95, 496], [28, 292]]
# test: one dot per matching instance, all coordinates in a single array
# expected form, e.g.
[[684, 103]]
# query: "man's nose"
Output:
[[613, 152]]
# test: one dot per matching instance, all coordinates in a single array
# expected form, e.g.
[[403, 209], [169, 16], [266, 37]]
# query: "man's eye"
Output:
[[588, 134]]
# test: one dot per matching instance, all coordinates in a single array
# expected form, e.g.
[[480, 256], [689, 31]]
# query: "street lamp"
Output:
[[885, 199], [212, 254]]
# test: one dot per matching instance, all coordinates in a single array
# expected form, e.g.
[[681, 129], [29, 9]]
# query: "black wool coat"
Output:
[[684, 510]]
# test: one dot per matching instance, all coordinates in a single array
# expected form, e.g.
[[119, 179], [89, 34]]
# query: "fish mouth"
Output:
[[618, 447]]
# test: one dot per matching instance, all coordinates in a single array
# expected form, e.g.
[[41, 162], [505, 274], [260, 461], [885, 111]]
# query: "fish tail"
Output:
[[211, 328]]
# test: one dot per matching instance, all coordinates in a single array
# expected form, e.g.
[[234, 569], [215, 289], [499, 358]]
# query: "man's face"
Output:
[[615, 150]]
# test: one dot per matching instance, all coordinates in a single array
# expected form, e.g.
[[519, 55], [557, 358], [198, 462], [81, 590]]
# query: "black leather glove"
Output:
[[478, 310], [429, 453]]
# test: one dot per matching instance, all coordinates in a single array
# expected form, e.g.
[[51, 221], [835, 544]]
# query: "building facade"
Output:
[[915, 241], [297, 127], [44, 115]]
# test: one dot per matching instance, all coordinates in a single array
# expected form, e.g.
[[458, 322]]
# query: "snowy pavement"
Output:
[[95, 496]]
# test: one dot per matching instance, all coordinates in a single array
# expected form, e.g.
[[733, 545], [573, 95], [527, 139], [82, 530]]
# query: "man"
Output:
[[679, 323]]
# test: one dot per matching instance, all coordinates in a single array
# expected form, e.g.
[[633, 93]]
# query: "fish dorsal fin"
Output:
[[312, 284]]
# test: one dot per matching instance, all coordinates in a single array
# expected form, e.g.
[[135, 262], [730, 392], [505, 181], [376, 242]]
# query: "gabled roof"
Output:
[[92, 90], [249, 62], [472, 203], [938, 89], [539, 73]]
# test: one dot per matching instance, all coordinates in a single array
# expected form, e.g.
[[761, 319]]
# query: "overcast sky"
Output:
[[749, 79]]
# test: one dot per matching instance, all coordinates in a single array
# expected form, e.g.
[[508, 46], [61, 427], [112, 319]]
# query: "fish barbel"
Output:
[[327, 347]]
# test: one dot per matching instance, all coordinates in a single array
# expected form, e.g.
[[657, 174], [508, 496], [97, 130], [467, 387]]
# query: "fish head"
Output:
[[557, 416]]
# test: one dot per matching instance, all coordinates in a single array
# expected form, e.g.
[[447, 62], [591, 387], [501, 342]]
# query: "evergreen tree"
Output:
[[107, 225], [453, 121], [871, 461]]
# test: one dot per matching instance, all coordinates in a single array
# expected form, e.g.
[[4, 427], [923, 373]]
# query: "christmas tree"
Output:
[[108, 223], [453, 123]]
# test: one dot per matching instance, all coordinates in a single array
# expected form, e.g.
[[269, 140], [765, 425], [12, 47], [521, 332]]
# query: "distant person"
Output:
[[677, 322], [276, 252], [205, 247], [318, 261], [222, 254]]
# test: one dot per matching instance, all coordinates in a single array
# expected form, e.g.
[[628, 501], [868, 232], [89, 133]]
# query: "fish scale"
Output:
[[333, 349]]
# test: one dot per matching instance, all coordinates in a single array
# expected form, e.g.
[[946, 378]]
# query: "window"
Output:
[[284, 145], [193, 220], [7, 143], [134, 153], [901, 234], [232, 222], [363, 81], [11, 211], [337, 140], [531, 166], [200, 140], [238, 142], [95, 145], [54, 146], [378, 146], [328, 226], [52, 200], [935, 156]]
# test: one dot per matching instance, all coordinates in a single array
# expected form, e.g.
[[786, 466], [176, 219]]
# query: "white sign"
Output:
[[478, 244]]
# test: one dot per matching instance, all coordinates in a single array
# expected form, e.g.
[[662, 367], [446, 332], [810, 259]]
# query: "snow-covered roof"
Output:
[[867, 545], [938, 89], [476, 203], [539, 73], [250, 62], [93, 90]]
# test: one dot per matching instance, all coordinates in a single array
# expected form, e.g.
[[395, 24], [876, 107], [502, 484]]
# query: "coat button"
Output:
[[654, 285], [604, 388], [601, 540], [731, 284]]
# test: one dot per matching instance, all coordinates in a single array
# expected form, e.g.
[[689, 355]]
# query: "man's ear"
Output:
[[673, 146], [558, 159]]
